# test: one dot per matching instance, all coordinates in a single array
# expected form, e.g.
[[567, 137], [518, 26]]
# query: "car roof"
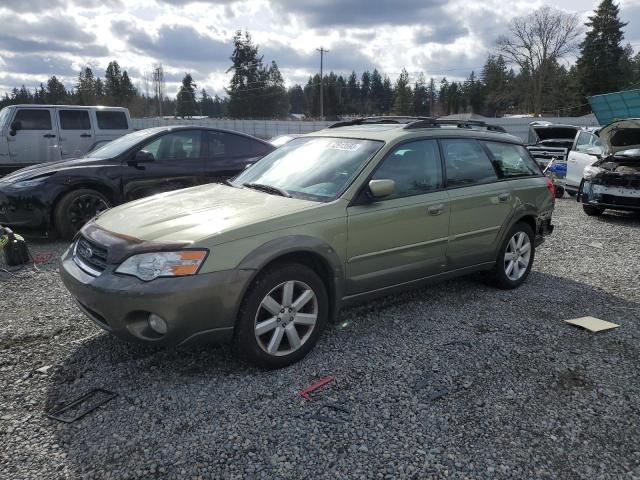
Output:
[[396, 133], [174, 128], [83, 107]]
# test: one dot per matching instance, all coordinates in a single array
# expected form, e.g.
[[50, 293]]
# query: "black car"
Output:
[[66, 194]]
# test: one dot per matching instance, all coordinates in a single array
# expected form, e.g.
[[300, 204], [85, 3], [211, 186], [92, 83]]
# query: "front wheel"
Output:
[[75, 209], [592, 210], [515, 257], [282, 316]]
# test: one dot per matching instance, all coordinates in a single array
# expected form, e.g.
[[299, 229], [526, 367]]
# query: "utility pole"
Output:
[[322, 52]]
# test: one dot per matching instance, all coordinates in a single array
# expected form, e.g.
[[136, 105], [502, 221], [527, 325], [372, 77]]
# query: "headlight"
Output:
[[147, 266], [34, 182], [590, 171]]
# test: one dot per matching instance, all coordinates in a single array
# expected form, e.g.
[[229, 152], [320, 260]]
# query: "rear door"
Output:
[[76, 132], [579, 158], [403, 237], [178, 163], [228, 154], [480, 204], [37, 139]]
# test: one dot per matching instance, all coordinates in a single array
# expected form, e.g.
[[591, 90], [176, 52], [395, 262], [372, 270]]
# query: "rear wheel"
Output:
[[282, 316], [592, 210], [559, 191], [515, 257], [75, 209]]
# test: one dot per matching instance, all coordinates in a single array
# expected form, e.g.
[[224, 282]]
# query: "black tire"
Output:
[[559, 191], [592, 210], [572, 193], [499, 277], [245, 342], [75, 209]]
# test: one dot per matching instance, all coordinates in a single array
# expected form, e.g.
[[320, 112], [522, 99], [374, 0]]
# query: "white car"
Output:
[[587, 150], [613, 181], [32, 134]]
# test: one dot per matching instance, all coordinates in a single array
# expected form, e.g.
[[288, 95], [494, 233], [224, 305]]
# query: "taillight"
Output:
[[552, 189]]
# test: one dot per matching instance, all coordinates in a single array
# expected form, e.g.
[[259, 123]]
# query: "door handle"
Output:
[[435, 209], [85, 135], [504, 197], [49, 135]]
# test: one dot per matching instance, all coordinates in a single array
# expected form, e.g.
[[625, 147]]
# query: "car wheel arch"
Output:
[[309, 251], [98, 187]]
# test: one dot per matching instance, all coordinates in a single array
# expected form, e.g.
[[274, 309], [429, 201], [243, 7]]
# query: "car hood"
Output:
[[621, 135], [199, 213], [49, 168]]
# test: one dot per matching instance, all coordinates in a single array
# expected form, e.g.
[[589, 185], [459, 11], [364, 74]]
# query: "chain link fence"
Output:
[[270, 128]]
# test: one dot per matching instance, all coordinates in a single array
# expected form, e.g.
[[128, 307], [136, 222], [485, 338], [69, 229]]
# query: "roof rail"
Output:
[[382, 119], [437, 123]]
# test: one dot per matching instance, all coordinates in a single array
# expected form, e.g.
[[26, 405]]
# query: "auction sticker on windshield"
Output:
[[345, 146]]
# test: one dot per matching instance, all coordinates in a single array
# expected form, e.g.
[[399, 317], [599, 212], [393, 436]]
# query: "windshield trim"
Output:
[[318, 198]]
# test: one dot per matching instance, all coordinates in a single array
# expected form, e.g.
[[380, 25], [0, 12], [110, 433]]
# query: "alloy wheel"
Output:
[[517, 256], [286, 318], [84, 208]]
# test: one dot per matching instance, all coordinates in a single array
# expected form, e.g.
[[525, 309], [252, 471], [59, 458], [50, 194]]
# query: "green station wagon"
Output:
[[363, 208]]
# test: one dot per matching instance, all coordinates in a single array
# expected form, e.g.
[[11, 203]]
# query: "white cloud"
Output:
[[438, 37]]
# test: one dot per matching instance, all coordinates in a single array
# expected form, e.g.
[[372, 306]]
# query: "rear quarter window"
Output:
[[512, 160], [112, 120], [466, 163]]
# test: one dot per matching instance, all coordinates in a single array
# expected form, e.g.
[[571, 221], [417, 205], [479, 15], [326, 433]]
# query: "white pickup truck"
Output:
[[31, 134]]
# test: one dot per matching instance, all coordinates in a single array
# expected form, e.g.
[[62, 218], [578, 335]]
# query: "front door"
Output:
[[76, 133], [480, 204], [36, 140], [177, 163], [403, 237]]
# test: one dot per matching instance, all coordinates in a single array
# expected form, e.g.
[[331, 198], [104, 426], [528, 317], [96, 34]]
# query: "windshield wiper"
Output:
[[267, 188]]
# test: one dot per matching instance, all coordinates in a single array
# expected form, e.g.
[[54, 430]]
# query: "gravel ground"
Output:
[[457, 380]]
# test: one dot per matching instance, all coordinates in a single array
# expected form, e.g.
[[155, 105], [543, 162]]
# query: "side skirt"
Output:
[[414, 284]]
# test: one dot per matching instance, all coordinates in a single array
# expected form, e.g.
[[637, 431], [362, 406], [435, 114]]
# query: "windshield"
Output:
[[122, 144], [315, 168]]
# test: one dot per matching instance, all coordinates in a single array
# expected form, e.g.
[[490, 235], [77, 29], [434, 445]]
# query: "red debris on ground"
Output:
[[320, 383]]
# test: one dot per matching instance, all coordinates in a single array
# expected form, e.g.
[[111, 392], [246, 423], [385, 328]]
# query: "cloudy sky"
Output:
[[40, 38]]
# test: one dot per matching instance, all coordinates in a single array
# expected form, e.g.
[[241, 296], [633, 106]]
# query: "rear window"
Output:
[[110, 120], [512, 160], [74, 120], [34, 119]]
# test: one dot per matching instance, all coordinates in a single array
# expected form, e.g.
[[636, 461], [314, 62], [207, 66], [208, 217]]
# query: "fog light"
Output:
[[157, 324]]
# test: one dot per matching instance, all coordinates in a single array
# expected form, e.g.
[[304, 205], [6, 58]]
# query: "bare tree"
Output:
[[538, 40]]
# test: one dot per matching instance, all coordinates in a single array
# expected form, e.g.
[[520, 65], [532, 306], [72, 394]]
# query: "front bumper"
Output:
[[24, 208], [200, 308], [612, 197]]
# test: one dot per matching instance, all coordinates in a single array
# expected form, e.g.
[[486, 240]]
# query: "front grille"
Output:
[[90, 257]]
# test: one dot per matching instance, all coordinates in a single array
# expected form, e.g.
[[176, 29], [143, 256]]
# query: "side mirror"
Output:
[[143, 156], [596, 151], [381, 188], [15, 126]]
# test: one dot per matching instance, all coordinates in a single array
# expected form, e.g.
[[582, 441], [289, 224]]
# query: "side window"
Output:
[[33, 119], [223, 144], [512, 160], [74, 120], [585, 142], [466, 163], [112, 120], [415, 168], [176, 146]]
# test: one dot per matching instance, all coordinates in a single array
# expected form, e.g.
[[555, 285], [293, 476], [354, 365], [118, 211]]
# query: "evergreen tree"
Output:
[[297, 99], [246, 83], [474, 94], [365, 92], [56, 93], [352, 95], [402, 101], [112, 83], [377, 92], [86, 87], [432, 96], [421, 97], [186, 105], [127, 91], [495, 79], [601, 53], [388, 95], [274, 101]]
